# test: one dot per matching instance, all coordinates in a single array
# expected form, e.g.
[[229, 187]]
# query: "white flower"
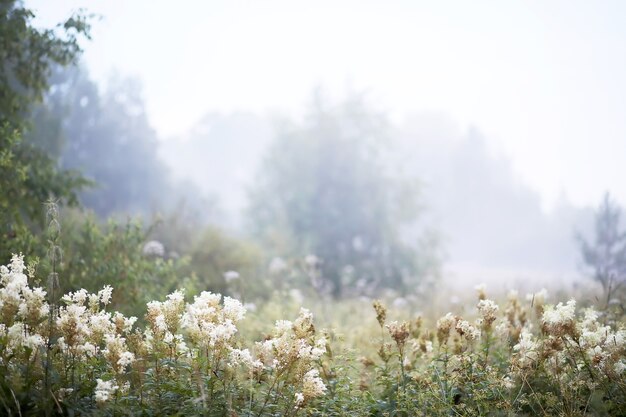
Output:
[[281, 327], [231, 276], [299, 399], [105, 294], [104, 390], [557, 319], [277, 265], [467, 330], [126, 358], [312, 384], [154, 248], [233, 309], [488, 310], [527, 349], [240, 357], [311, 260]]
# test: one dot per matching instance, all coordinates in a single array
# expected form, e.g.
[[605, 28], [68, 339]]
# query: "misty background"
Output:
[[508, 117]]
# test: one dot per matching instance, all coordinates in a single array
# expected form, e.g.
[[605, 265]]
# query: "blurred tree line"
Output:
[[323, 190]]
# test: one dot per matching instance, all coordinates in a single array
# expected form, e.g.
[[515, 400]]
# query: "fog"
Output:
[[508, 117]]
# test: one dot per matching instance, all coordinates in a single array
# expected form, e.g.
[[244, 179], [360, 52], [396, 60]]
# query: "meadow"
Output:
[[210, 355]]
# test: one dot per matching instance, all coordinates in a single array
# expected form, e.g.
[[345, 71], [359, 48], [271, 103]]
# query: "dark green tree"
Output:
[[605, 256], [323, 190], [28, 175]]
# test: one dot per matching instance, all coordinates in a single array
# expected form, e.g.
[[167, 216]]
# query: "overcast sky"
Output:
[[543, 80]]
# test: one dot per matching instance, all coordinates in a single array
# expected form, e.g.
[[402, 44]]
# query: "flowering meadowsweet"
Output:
[[303, 325], [154, 248], [233, 309], [312, 385], [444, 325], [105, 294], [73, 324], [277, 266], [230, 276], [282, 326], [481, 291], [117, 354], [299, 399], [465, 329], [559, 320], [104, 390], [17, 300], [398, 332], [123, 324], [487, 309], [526, 350], [210, 323]]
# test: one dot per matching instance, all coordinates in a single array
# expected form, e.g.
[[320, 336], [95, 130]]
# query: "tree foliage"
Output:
[[28, 176], [323, 190], [108, 138], [606, 254]]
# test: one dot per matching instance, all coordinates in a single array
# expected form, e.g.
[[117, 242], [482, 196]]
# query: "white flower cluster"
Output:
[[292, 342], [87, 330], [22, 309], [560, 319], [603, 346], [84, 331], [209, 323], [487, 309], [104, 390], [526, 350], [465, 329], [312, 385]]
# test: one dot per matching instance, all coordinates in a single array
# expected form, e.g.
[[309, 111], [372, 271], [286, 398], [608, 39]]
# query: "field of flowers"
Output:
[[188, 357]]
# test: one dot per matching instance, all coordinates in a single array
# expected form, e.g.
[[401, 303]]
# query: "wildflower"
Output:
[[277, 265], [312, 385], [104, 390], [444, 325], [240, 357], [488, 310], [526, 350], [303, 325], [559, 320], [123, 324], [105, 294], [466, 330], [231, 276], [481, 291], [154, 248], [398, 332], [233, 309], [381, 312], [299, 399], [311, 261]]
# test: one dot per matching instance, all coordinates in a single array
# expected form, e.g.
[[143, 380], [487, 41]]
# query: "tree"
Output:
[[108, 138], [606, 256], [323, 190], [28, 176]]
